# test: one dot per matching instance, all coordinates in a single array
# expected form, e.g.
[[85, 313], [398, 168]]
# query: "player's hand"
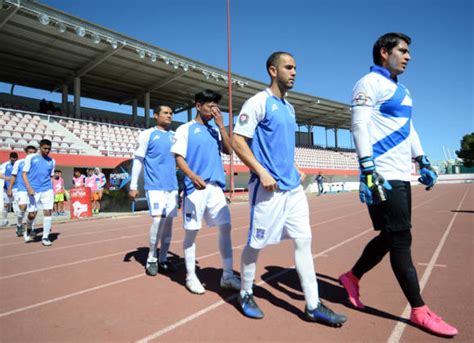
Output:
[[198, 182], [428, 175], [9, 192], [372, 188], [267, 181], [31, 192], [301, 174], [217, 115], [132, 194]]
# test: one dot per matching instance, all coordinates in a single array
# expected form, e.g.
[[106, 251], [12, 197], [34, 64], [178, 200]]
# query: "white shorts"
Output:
[[46, 199], [22, 198], [162, 203], [208, 203], [6, 199], [277, 215]]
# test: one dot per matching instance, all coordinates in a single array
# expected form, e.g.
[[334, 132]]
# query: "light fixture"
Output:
[[80, 31], [175, 64], [141, 53], [206, 74], [95, 38], [61, 27], [43, 19], [215, 76], [185, 66], [153, 58], [113, 43]]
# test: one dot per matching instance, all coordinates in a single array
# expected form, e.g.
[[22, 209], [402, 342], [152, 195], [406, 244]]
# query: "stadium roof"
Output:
[[45, 48]]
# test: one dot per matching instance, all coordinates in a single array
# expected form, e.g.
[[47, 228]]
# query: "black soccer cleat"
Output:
[[325, 315]]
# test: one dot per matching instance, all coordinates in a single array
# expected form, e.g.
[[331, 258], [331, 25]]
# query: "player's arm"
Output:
[[301, 173], [138, 160], [242, 149], [13, 178], [219, 120], [197, 181], [428, 175], [27, 183]]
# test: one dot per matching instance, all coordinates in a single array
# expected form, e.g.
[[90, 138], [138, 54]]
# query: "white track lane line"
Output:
[[397, 332]]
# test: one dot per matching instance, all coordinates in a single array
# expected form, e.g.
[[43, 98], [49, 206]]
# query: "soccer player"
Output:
[[386, 142], [154, 152], [5, 173], [37, 173], [18, 191], [198, 148], [279, 208], [101, 181], [58, 189]]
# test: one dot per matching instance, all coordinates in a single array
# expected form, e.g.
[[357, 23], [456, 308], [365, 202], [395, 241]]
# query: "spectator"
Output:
[[78, 179], [320, 180], [101, 182], [58, 189], [91, 182]]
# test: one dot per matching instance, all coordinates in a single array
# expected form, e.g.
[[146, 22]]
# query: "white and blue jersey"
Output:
[[40, 169], [6, 170], [17, 172], [154, 147], [271, 125], [200, 145], [382, 124]]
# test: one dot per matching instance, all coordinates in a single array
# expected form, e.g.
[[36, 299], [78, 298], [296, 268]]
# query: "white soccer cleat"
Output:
[[46, 242], [4, 223], [195, 286], [231, 284]]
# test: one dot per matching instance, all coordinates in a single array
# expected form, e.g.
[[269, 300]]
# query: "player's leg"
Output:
[[298, 228], [47, 200], [32, 210], [21, 200], [6, 207], [171, 212], [217, 213], [372, 254], [151, 267], [193, 211]]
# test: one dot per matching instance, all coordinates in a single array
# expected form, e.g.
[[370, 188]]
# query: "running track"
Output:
[[90, 286]]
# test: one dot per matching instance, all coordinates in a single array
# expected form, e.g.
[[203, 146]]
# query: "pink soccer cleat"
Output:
[[428, 320], [351, 284]]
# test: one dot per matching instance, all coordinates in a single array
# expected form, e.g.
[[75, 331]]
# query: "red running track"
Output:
[[90, 286]]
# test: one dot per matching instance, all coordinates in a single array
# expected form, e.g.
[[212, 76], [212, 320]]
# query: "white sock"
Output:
[[46, 226], [20, 216], [154, 236], [5, 214], [225, 248], [165, 238], [190, 253], [248, 266], [30, 223], [305, 268]]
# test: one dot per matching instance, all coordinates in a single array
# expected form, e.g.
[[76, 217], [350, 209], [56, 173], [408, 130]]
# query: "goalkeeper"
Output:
[[386, 142]]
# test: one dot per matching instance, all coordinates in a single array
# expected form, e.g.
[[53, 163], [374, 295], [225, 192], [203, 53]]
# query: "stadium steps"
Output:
[[77, 143]]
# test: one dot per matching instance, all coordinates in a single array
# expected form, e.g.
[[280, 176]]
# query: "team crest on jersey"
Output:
[[156, 206], [260, 233], [274, 108], [197, 130], [156, 137], [360, 99], [243, 119]]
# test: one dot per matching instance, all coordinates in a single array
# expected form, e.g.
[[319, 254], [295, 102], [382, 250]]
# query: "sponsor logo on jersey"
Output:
[[243, 119], [360, 99], [197, 130], [274, 108]]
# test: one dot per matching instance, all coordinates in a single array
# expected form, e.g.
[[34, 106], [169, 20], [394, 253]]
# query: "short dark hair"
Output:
[[273, 59], [160, 107], [388, 41], [45, 142], [13, 155], [30, 147], [58, 171], [207, 95]]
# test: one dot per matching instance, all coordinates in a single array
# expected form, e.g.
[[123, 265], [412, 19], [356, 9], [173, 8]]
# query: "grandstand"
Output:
[[84, 59]]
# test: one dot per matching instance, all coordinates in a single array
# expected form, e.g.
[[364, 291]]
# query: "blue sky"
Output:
[[331, 41]]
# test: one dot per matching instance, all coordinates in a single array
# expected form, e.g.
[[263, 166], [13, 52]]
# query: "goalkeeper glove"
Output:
[[428, 175], [372, 188]]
